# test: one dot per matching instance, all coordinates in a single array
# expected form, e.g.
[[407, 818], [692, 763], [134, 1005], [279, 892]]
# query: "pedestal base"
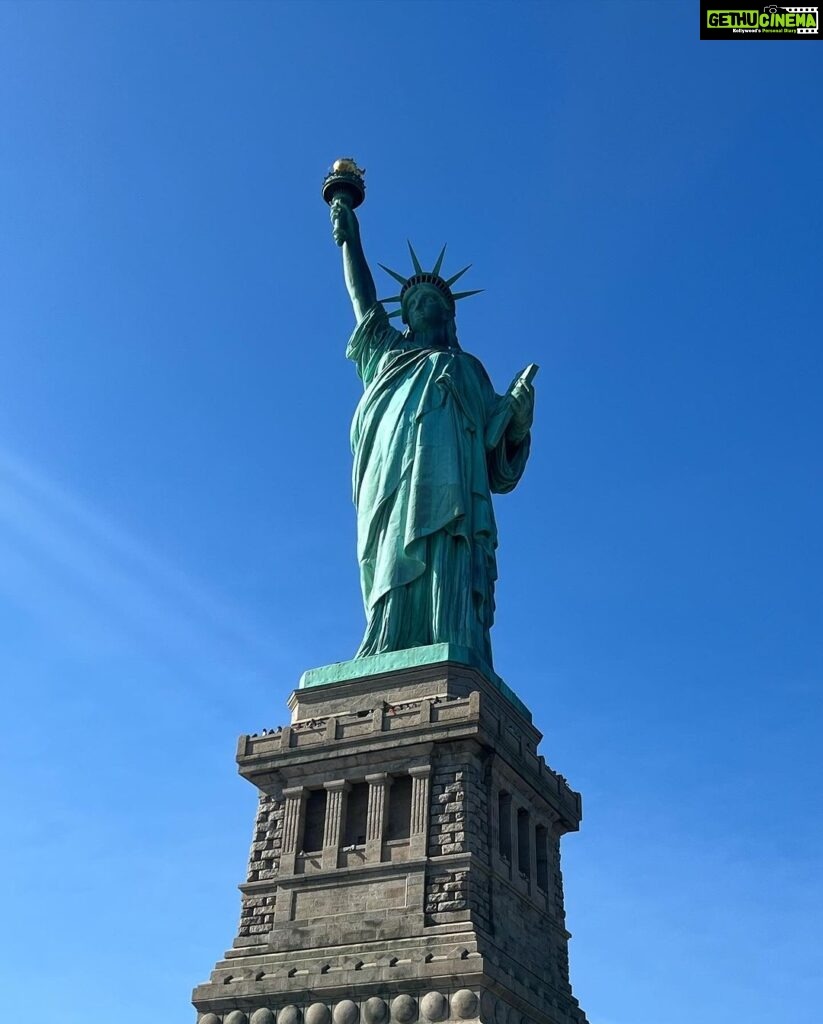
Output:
[[405, 860]]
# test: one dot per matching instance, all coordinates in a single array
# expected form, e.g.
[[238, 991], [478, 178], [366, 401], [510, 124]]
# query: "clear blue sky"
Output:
[[176, 532]]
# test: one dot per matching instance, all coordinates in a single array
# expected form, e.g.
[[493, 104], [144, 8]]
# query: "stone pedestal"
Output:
[[405, 863]]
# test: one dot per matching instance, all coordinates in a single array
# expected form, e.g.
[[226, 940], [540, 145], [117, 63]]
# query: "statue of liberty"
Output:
[[431, 441]]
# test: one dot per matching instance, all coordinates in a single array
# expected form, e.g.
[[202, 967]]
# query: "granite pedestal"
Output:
[[405, 862]]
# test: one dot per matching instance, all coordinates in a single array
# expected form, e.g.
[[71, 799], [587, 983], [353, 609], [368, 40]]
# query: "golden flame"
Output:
[[346, 165]]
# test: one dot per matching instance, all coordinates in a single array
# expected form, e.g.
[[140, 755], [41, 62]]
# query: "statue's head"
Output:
[[426, 299], [425, 308]]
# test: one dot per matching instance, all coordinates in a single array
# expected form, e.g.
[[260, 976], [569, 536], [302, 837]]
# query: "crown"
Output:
[[432, 277]]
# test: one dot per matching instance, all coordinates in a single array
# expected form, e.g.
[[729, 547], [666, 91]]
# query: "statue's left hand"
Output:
[[522, 402]]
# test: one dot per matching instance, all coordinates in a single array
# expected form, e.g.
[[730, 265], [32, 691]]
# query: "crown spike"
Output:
[[458, 275], [394, 274], [417, 268], [439, 263], [391, 298], [465, 295], [395, 312]]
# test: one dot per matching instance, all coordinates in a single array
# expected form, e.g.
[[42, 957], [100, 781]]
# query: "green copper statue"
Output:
[[432, 442]]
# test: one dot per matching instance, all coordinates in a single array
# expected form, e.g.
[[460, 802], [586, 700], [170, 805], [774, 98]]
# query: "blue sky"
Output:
[[176, 531]]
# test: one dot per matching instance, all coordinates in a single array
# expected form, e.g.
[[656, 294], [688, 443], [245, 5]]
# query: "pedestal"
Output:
[[405, 863]]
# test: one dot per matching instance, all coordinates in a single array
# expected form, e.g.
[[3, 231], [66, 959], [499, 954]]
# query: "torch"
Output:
[[344, 185]]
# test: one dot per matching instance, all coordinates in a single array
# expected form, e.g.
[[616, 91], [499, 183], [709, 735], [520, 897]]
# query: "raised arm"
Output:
[[359, 280]]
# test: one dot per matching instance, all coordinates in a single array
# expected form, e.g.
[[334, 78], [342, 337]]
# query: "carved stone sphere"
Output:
[[404, 1010], [262, 1016], [346, 1012], [375, 1010], [209, 1018], [434, 1006], [289, 1015], [317, 1013], [464, 1004], [236, 1017]]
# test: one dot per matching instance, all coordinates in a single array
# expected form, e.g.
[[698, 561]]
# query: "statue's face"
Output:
[[426, 308]]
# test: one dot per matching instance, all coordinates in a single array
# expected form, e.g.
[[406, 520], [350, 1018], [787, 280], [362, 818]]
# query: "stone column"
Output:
[[517, 881], [419, 825], [555, 872], [376, 820], [494, 838], [295, 798], [333, 826], [532, 856]]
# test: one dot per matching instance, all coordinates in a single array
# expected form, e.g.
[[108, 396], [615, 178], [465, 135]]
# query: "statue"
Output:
[[431, 441]]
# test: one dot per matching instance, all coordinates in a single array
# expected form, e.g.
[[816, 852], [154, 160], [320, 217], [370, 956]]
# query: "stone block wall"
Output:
[[480, 901], [257, 909], [477, 787], [256, 915], [530, 937], [556, 881], [267, 840], [447, 820], [446, 893], [458, 820]]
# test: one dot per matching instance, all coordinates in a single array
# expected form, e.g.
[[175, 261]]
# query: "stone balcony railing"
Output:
[[406, 720]]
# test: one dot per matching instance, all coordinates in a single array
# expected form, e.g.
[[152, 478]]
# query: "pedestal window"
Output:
[[400, 799]]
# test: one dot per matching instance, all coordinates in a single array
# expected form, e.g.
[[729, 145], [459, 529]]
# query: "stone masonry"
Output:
[[405, 862]]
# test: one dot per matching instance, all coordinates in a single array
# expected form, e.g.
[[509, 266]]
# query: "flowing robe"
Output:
[[422, 483]]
